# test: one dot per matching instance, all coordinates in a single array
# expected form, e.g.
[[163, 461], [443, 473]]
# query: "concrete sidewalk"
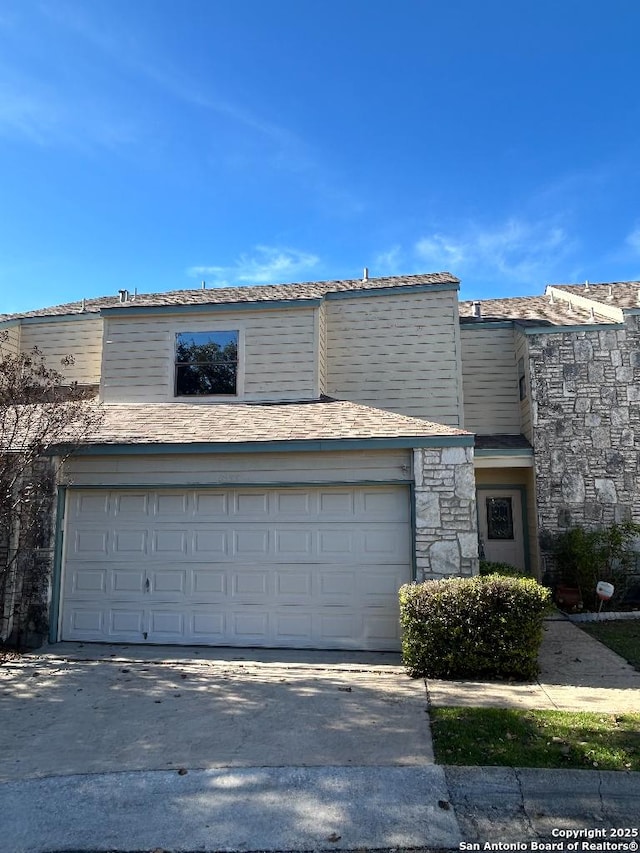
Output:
[[577, 673]]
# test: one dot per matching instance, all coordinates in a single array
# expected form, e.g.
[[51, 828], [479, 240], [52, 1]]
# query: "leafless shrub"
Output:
[[43, 419]]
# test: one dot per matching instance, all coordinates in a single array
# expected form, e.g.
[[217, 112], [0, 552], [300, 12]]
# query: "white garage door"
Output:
[[317, 567]]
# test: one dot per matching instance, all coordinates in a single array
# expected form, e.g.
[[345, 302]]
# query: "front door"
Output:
[[500, 526]]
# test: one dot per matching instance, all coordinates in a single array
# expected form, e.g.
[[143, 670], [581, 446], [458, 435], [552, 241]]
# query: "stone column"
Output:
[[445, 512]]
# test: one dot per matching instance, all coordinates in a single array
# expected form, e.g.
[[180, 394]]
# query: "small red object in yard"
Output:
[[568, 597]]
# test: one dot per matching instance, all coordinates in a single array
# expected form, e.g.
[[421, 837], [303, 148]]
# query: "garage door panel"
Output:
[[167, 625], [170, 542], [293, 628], [208, 627], [127, 542], [295, 584], [293, 542], [169, 506], [381, 585], [211, 544], [382, 505], [381, 630], [250, 625], [90, 505], [250, 583], [128, 622], [133, 505], [211, 505], [88, 543], [171, 582], [295, 503], [90, 581], [210, 582], [304, 567], [251, 505], [89, 621], [250, 541]]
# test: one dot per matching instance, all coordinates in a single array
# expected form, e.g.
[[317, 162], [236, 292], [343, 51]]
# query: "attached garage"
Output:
[[290, 566], [284, 526]]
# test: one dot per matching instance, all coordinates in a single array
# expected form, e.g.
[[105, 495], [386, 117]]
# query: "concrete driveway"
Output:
[[94, 709], [112, 748]]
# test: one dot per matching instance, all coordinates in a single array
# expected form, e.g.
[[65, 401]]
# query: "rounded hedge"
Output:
[[474, 628]]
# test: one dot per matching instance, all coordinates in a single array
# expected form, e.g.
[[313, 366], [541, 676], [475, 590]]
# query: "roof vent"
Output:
[[124, 295], [84, 305], [592, 315], [610, 294], [570, 307], [551, 299], [204, 285], [586, 284], [365, 274], [477, 309]]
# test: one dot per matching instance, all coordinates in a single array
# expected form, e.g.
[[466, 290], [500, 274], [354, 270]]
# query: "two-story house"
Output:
[[275, 461], [552, 392]]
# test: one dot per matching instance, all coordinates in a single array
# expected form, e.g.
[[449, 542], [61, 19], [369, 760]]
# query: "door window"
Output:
[[499, 518]]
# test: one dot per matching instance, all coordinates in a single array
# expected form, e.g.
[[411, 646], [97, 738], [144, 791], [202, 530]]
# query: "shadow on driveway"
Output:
[[141, 712]]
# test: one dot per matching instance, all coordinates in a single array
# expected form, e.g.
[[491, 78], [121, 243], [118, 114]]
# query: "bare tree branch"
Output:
[[43, 420]]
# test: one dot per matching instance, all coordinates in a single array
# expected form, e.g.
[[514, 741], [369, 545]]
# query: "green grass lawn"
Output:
[[515, 738], [623, 637]]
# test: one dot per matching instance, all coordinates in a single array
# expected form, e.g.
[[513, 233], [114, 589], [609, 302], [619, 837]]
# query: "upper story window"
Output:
[[206, 363], [522, 381]]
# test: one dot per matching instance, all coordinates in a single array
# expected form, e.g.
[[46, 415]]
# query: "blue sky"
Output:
[[157, 143]]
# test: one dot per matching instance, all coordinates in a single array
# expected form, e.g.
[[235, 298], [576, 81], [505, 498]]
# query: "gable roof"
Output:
[[529, 311], [225, 425], [229, 295], [617, 294]]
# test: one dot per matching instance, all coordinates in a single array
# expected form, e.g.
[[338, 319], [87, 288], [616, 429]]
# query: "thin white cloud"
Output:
[[632, 240], [389, 262], [519, 251], [266, 144], [265, 265]]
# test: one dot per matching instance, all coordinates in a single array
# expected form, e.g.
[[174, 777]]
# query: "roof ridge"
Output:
[[244, 292]]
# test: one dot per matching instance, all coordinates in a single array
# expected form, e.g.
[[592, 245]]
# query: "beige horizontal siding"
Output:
[[490, 380], [396, 352], [81, 339], [522, 351], [10, 340], [253, 468], [277, 354]]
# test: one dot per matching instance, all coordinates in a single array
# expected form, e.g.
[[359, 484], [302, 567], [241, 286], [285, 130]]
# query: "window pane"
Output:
[[206, 347], [499, 518], [206, 363]]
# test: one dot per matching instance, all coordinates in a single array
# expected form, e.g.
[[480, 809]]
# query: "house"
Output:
[[273, 464], [551, 390], [275, 461]]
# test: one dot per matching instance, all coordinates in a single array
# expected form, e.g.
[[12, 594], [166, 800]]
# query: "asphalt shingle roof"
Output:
[[222, 295], [529, 310], [618, 294], [189, 423]]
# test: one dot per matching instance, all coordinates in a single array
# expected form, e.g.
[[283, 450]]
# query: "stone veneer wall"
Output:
[[585, 393], [445, 507]]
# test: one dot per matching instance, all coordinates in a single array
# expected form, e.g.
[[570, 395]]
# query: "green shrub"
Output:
[[585, 556], [480, 628], [490, 567]]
